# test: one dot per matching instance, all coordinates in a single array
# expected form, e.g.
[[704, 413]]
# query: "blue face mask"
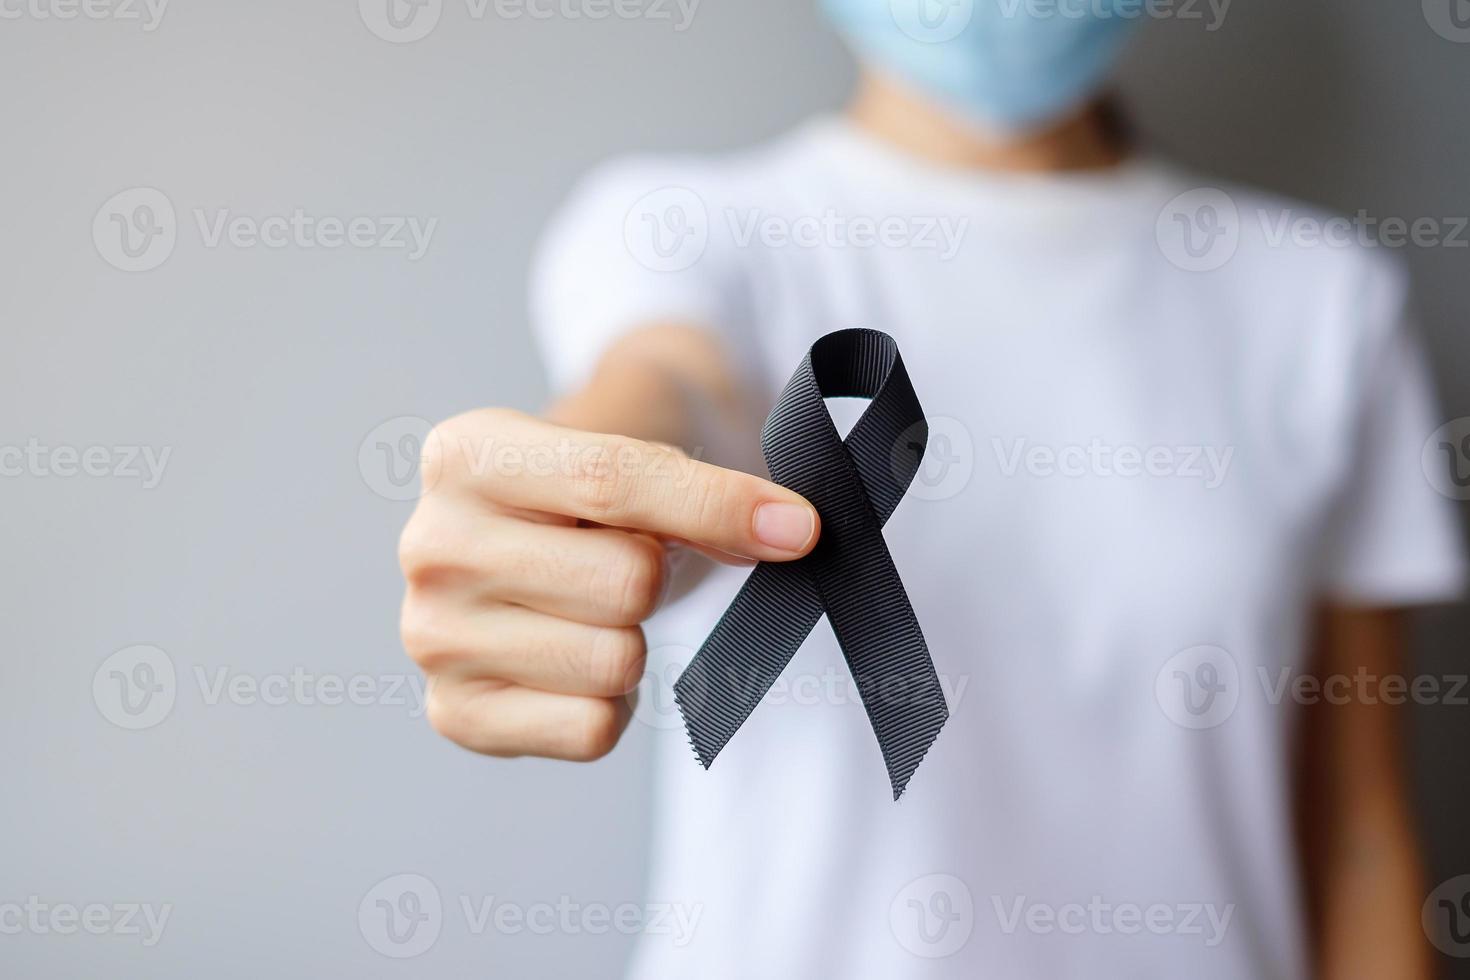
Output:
[[1009, 65]]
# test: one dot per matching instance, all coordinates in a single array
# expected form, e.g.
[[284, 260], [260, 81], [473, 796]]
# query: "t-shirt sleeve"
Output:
[[632, 246], [1394, 537]]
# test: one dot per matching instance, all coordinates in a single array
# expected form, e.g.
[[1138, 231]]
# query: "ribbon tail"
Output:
[[885, 649], [907, 726], [772, 615]]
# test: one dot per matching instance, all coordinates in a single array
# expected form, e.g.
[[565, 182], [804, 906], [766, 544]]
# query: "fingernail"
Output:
[[787, 527]]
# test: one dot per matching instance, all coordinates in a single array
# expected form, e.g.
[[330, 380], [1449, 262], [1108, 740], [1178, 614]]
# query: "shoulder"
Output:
[[1276, 238], [1286, 264]]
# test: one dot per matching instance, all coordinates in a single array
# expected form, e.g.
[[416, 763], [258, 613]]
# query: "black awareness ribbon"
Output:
[[855, 484]]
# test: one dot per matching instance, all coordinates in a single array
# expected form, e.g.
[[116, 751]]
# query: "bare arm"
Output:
[[1362, 862], [668, 383]]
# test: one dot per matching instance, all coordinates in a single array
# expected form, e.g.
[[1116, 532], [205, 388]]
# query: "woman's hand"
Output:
[[534, 554]]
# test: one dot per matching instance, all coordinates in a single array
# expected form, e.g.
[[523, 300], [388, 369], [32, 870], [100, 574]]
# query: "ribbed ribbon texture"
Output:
[[855, 485]]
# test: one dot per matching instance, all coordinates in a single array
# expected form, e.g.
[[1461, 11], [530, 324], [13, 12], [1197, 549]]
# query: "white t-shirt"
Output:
[[1148, 455]]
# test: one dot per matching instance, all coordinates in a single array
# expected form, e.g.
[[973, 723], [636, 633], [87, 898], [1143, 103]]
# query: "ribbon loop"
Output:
[[855, 484]]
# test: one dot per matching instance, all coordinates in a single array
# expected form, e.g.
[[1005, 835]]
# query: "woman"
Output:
[[1172, 472]]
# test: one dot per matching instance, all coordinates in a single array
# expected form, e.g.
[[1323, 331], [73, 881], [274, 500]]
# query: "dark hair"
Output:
[[1115, 122]]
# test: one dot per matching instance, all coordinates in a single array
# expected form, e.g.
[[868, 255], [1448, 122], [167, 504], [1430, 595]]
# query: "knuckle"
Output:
[[453, 447], [426, 640], [452, 718], [445, 542], [708, 501], [436, 455], [600, 487], [596, 732], [630, 586], [413, 553], [447, 718], [421, 551], [618, 655]]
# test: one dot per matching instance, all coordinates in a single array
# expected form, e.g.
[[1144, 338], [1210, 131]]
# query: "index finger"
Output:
[[625, 482]]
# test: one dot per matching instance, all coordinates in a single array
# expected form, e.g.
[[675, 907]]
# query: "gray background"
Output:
[[265, 548]]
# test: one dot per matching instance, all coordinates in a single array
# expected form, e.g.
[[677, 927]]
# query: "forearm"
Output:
[[632, 398], [670, 384], [1372, 888], [1364, 871]]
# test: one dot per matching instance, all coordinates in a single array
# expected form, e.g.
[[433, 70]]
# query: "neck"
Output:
[[897, 115]]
